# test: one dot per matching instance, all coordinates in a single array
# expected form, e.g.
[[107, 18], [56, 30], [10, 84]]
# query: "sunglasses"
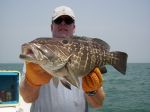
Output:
[[67, 20]]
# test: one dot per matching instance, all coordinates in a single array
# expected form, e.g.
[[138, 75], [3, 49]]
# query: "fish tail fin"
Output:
[[118, 60]]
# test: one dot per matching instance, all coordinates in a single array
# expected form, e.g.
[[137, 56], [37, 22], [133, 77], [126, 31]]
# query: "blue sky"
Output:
[[123, 24]]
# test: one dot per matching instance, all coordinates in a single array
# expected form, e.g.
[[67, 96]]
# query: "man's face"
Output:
[[63, 26]]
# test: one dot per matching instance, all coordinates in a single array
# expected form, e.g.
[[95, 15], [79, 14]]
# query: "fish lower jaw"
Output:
[[27, 57]]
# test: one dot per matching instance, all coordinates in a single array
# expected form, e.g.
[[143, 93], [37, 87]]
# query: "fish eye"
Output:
[[65, 41]]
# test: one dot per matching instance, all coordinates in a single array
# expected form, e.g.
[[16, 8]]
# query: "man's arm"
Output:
[[35, 76], [92, 86], [96, 100], [28, 92]]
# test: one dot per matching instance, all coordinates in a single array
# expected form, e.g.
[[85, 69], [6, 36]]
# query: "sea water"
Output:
[[124, 93], [128, 93]]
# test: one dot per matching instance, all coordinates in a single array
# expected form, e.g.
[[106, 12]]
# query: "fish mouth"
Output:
[[33, 53], [27, 53]]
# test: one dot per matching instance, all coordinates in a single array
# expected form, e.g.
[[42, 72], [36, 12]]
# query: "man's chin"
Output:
[[62, 35]]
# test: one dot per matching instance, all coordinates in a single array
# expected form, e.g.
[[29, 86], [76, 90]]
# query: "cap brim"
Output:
[[63, 15]]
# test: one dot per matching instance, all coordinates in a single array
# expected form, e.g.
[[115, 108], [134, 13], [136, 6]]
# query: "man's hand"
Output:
[[35, 75], [92, 82]]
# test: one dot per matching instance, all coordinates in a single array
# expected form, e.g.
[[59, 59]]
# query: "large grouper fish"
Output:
[[69, 58]]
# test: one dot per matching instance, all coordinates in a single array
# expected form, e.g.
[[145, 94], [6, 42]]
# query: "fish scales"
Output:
[[86, 62], [72, 57]]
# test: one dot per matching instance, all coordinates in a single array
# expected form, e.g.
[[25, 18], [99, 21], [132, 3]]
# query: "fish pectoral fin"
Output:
[[60, 66], [66, 84], [72, 80], [55, 81]]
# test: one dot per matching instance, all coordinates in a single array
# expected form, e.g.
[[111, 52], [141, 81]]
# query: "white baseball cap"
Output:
[[63, 10]]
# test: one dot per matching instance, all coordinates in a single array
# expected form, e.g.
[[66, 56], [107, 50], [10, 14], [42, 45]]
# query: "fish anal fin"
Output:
[[66, 84], [72, 80]]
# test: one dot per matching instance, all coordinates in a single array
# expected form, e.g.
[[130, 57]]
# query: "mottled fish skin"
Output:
[[86, 54], [72, 57]]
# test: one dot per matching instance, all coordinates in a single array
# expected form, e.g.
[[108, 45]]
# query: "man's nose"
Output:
[[63, 23]]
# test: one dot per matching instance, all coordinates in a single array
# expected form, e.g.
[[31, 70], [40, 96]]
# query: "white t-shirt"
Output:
[[60, 99]]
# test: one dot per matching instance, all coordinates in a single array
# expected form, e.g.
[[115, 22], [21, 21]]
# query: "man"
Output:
[[38, 88]]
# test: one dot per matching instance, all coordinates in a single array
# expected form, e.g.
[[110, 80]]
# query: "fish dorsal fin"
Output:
[[99, 42], [102, 43]]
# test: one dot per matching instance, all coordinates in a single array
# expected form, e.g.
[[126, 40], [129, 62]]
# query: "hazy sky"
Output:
[[123, 24]]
